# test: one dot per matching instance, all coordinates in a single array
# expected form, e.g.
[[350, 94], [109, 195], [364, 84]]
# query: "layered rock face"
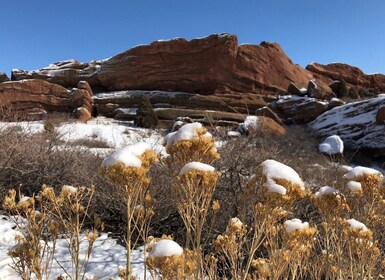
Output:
[[353, 76], [211, 65], [38, 96], [358, 124]]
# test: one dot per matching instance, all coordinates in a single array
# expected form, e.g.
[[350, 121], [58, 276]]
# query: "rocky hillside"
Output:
[[213, 80]]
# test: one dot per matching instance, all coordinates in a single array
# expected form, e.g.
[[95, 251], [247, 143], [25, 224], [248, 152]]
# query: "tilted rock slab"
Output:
[[355, 123], [41, 96]]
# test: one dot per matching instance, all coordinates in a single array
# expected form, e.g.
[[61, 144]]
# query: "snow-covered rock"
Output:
[[355, 123], [359, 171], [295, 224], [196, 166], [332, 145], [166, 248], [273, 171]]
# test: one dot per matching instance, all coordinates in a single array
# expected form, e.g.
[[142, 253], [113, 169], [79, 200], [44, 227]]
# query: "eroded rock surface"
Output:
[[355, 123], [41, 96]]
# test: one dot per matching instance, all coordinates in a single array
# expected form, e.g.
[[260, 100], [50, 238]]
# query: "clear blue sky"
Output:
[[35, 33]]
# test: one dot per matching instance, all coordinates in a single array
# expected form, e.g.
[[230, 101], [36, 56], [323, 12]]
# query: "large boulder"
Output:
[[299, 109], [212, 65], [42, 96], [356, 123], [353, 76]]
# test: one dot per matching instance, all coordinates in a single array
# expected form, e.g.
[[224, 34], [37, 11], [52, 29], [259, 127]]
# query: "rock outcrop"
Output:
[[353, 76], [356, 123], [107, 104], [298, 109], [3, 77], [212, 65], [28, 96]]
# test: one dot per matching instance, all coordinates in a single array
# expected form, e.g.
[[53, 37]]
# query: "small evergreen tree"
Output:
[[145, 115]]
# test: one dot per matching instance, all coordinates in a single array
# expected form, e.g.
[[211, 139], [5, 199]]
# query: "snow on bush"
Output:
[[332, 145], [196, 166], [359, 171], [186, 132], [356, 225], [295, 224], [234, 223], [325, 190], [354, 186], [274, 170], [129, 155], [166, 248]]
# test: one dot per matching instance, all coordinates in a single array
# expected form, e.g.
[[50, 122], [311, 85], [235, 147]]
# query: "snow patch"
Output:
[[325, 190], [354, 186], [359, 171], [356, 225], [295, 224], [129, 155], [274, 170], [196, 166], [166, 248]]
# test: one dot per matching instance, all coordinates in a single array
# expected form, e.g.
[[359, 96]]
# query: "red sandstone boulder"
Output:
[[380, 117], [37, 95]]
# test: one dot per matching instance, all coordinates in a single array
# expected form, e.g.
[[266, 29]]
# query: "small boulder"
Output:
[[267, 112], [3, 77], [82, 114], [314, 91], [335, 102], [309, 111], [262, 126], [294, 89]]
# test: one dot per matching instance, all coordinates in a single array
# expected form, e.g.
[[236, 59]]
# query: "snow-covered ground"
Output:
[[106, 258], [116, 134]]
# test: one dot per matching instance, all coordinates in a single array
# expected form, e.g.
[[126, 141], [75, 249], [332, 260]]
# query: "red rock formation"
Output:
[[211, 65], [353, 76], [38, 95]]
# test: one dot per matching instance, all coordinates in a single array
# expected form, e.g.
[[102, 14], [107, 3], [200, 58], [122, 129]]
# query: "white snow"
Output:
[[354, 186], [166, 248], [233, 134], [332, 145], [359, 171], [325, 190], [250, 121], [295, 224], [234, 223], [354, 225], [116, 134], [274, 170], [129, 155], [71, 189], [23, 199], [186, 132], [107, 256], [196, 166]]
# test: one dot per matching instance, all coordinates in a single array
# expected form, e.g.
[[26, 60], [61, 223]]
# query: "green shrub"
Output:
[[145, 115]]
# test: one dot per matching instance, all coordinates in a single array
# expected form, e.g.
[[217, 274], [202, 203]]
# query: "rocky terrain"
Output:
[[213, 80]]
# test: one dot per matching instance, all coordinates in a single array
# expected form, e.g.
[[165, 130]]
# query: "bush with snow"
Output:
[[166, 248], [278, 175]]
